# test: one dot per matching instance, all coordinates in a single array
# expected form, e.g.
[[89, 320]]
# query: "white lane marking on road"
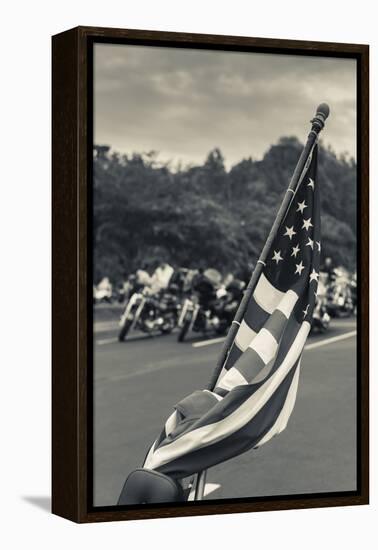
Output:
[[104, 326], [209, 488], [208, 342], [331, 340], [309, 346], [106, 341], [153, 368]]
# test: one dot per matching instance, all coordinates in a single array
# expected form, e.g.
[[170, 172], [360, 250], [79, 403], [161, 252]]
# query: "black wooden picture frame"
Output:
[[72, 401]]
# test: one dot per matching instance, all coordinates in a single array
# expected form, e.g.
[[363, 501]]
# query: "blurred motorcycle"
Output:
[[339, 296], [209, 309], [103, 292], [149, 313], [354, 292], [321, 318]]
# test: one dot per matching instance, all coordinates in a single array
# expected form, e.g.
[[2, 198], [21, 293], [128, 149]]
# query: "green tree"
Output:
[[206, 215]]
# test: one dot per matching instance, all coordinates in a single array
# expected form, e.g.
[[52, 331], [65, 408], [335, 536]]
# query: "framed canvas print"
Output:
[[210, 274]]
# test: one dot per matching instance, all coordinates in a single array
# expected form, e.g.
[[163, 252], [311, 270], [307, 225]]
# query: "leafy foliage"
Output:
[[205, 215]]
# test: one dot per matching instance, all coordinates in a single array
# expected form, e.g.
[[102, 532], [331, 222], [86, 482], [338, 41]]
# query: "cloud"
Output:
[[184, 102]]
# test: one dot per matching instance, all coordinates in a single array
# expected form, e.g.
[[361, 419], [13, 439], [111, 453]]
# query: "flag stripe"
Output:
[[266, 295], [244, 336], [250, 364], [233, 356], [217, 397], [286, 305], [290, 401], [171, 423], [292, 328], [223, 372], [151, 452], [265, 345], [222, 392], [196, 404], [233, 378], [283, 418], [275, 325], [255, 316]]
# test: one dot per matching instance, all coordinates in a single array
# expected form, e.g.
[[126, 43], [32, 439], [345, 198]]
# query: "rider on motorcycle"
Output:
[[142, 277], [234, 293], [329, 269], [160, 277], [206, 283], [104, 290]]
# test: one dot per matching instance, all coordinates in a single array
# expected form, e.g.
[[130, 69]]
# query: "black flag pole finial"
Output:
[[322, 113]]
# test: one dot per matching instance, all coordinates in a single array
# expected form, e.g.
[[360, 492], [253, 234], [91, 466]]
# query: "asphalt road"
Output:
[[138, 382]]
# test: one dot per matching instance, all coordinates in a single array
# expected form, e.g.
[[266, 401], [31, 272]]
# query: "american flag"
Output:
[[257, 387]]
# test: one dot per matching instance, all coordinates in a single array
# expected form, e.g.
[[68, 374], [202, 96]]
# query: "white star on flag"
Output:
[[277, 256], [305, 311], [314, 276], [311, 184], [307, 224], [301, 206], [319, 247], [310, 243], [300, 267], [290, 232], [295, 251]]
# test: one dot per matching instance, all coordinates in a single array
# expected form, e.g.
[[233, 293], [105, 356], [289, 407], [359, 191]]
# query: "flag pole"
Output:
[[317, 124], [318, 121]]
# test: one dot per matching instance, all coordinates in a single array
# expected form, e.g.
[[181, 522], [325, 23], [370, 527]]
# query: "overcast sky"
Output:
[[183, 103]]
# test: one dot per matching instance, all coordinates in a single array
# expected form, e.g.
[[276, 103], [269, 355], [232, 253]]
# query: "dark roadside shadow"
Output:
[[41, 502]]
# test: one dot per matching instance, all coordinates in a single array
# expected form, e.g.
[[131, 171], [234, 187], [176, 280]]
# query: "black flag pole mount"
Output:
[[317, 124]]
